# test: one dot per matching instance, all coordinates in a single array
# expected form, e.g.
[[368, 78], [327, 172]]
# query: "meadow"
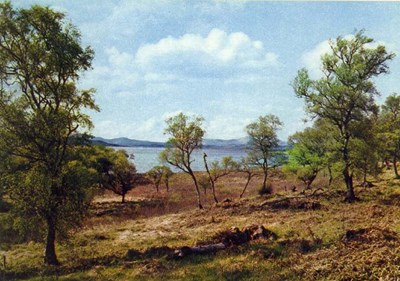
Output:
[[319, 236]]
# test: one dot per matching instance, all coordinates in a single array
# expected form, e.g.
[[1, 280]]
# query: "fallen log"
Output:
[[206, 249], [226, 239], [287, 202]]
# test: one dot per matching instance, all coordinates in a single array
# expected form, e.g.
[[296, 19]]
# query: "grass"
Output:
[[310, 245]]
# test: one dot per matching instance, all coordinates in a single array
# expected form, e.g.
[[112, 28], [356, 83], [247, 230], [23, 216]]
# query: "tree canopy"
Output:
[[344, 95], [41, 59], [186, 135], [263, 142]]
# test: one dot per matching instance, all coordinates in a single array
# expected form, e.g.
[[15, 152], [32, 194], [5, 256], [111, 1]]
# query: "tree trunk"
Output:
[[264, 185], [245, 187], [213, 191], [365, 172], [348, 178], [50, 256], [395, 166], [350, 196], [330, 175], [210, 177], [167, 185], [197, 189], [310, 181]]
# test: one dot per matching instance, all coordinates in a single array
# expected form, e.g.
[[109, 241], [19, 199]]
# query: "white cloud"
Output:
[[150, 129], [217, 54], [119, 59], [226, 127], [312, 59]]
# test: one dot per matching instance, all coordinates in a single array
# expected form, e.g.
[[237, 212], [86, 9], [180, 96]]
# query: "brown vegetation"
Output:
[[314, 235]]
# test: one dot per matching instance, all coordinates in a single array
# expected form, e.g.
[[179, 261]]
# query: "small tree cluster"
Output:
[[160, 174], [118, 174]]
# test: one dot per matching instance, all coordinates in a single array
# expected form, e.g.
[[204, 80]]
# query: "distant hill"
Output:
[[239, 143], [232, 143], [127, 142]]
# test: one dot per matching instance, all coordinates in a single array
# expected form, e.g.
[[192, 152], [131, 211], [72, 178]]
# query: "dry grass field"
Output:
[[319, 237]]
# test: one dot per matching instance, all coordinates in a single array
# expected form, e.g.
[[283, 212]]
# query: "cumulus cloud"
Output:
[[217, 54], [227, 127], [119, 59], [150, 129], [312, 59]]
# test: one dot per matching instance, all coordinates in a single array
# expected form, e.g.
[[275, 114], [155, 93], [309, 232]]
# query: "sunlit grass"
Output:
[[306, 238]]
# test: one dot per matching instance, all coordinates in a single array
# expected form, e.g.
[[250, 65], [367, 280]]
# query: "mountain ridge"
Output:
[[239, 143], [127, 142]]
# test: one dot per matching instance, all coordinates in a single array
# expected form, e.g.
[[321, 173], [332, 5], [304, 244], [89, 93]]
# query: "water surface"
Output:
[[147, 157]]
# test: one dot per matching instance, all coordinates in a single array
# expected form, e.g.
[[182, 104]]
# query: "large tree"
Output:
[[41, 58], [263, 143], [186, 135], [389, 133], [344, 96]]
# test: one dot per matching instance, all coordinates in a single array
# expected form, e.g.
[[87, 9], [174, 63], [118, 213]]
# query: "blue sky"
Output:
[[229, 62]]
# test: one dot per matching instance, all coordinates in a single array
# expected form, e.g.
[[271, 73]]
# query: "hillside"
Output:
[[214, 143], [126, 142], [319, 237], [239, 143]]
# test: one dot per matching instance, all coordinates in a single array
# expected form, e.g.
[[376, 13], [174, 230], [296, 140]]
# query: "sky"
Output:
[[227, 61]]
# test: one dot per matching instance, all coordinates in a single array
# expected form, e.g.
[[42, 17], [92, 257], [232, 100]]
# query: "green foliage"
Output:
[[365, 149], [389, 130], [118, 174], [160, 174], [186, 135], [309, 153], [344, 96], [263, 142], [40, 113]]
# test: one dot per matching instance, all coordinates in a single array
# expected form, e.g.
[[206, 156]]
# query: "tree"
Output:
[[263, 143], [166, 176], [204, 183], [389, 123], [41, 59], [366, 148], [345, 94], [246, 167], [119, 175], [308, 154], [218, 170], [156, 175], [186, 136], [160, 174]]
